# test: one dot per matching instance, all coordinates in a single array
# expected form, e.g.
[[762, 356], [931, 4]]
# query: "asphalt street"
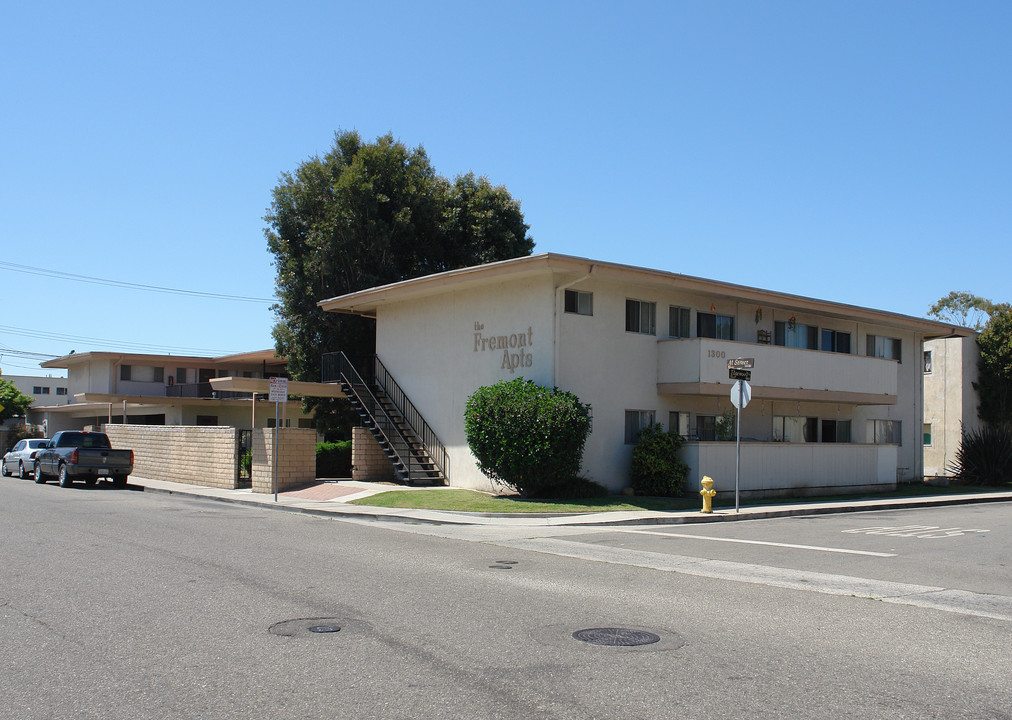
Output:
[[119, 604]]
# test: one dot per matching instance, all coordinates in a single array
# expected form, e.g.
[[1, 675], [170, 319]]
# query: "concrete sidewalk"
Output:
[[332, 498]]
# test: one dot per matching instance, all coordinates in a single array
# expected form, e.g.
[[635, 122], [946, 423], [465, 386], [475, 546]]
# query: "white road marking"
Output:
[[917, 531], [953, 600], [763, 542]]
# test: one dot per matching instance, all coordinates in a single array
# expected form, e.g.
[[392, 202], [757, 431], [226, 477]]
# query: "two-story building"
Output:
[[950, 399], [836, 393], [149, 389]]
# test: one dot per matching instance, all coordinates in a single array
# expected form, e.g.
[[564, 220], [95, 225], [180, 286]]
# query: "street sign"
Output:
[[741, 363], [736, 374], [279, 390], [741, 393]]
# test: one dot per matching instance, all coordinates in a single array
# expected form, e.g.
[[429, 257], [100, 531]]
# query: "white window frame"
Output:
[[636, 420], [886, 432], [679, 321], [583, 302], [645, 315], [881, 346]]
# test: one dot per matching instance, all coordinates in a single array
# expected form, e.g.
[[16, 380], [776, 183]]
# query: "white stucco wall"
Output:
[[950, 401], [434, 350]]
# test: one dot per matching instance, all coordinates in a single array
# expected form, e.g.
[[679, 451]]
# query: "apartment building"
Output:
[[152, 389], [836, 390]]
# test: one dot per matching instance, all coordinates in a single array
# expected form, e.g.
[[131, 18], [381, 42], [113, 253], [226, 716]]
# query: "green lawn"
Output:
[[471, 501]]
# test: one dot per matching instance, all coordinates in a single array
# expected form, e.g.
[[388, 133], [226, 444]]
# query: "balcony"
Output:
[[778, 469], [698, 366], [205, 391]]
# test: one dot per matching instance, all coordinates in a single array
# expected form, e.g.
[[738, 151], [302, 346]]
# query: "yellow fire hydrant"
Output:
[[708, 493]]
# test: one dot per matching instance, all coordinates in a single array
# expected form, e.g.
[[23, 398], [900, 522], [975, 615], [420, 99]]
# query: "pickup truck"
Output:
[[81, 454]]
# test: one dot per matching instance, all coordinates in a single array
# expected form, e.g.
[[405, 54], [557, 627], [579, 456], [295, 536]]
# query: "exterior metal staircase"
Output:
[[414, 450]]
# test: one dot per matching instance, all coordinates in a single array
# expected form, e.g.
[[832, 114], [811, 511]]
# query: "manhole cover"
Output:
[[307, 627], [616, 637]]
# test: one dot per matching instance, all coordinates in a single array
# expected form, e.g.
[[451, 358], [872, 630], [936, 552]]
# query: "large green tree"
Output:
[[14, 402], [962, 308], [367, 214], [994, 380]]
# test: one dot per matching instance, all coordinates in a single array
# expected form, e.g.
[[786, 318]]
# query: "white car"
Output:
[[21, 457]]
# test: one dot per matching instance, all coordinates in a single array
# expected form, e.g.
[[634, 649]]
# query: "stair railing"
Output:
[[432, 445], [337, 367]]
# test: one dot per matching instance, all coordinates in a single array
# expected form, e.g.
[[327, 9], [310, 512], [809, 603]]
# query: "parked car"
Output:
[[81, 454], [21, 457]]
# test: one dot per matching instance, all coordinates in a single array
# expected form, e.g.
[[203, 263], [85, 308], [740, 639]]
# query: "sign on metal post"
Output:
[[739, 370], [741, 394], [279, 390], [278, 394]]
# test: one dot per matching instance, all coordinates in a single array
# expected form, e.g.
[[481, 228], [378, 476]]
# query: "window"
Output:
[[795, 429], [927, 434], [307, 423], [836, 431], [208, 420], [271, 422], [884, 347], [141, 373], [641, 317], [61, 391], [580, 303], [719, 327], [706, 427], [679, 422], [678, 322], [636, 420], [796, 335], [886, 432], [181, 376], [836, 341], [36, 390], [927, 361]]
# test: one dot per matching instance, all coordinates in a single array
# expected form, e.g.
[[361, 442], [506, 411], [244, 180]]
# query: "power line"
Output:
[[120, 283], [27, 354], [103, 342]]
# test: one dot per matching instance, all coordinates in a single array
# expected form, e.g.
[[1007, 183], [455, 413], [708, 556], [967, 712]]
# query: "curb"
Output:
[[448, 517]]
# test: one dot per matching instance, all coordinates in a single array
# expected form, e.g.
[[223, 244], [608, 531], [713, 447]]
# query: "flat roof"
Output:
[[253, 356], [571, 268]]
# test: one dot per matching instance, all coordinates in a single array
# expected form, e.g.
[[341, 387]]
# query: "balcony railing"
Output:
[[695, 364], [205, 391]]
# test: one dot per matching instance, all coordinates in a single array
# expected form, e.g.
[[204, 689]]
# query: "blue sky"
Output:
[[857, 152]]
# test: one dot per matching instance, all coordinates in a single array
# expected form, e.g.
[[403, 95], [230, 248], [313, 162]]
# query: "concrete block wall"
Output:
[[368, 461], [179, 453], [296, 458]]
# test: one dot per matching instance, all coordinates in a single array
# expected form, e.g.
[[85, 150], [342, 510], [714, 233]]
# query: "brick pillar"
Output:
[[368, 461], [296, 458]]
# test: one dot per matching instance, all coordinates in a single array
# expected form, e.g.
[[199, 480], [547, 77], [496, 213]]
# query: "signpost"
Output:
[[278, 394], [739, 370]]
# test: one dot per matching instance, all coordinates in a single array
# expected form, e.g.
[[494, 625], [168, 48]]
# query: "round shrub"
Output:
[[656, 469], [527, 437]]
